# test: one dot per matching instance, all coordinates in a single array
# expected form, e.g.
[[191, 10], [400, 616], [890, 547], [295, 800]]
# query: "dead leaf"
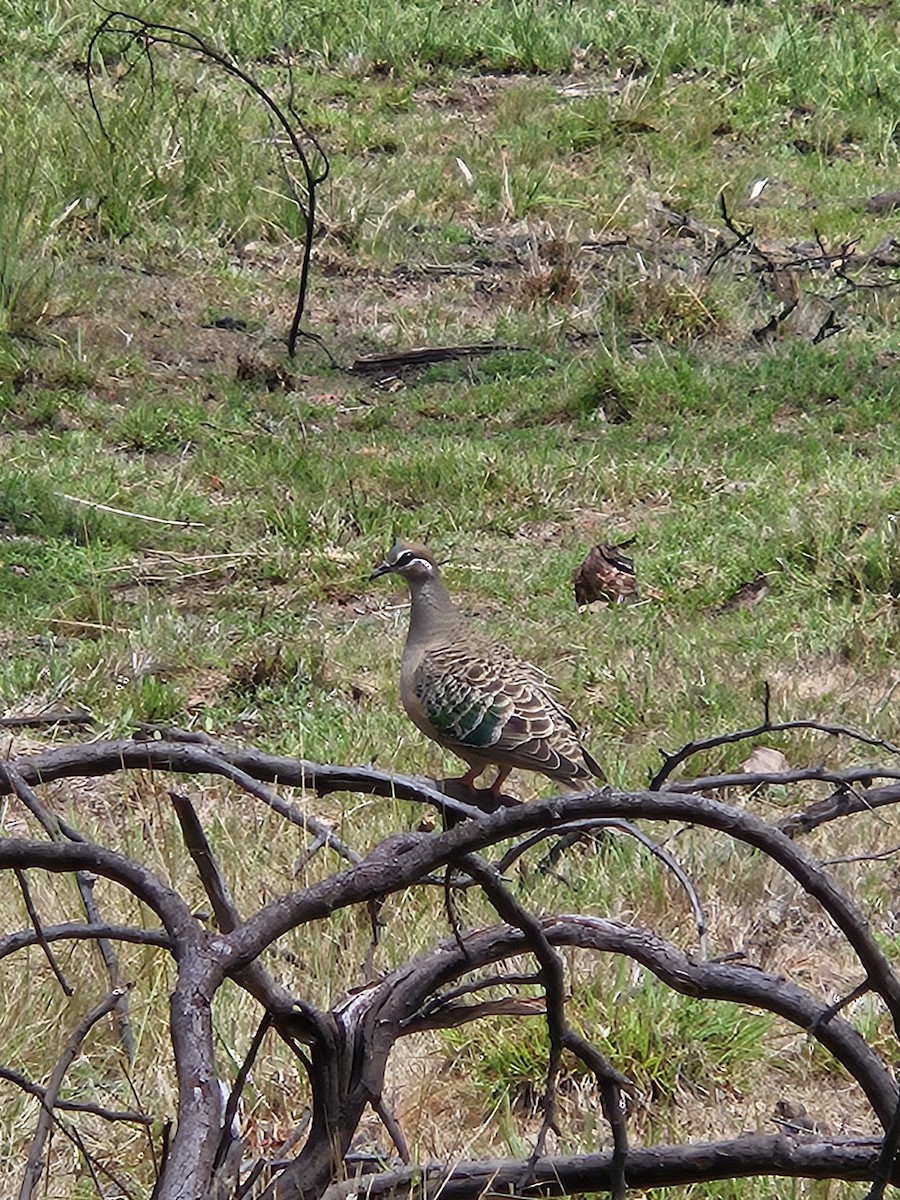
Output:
[[362, 686], [207, 688], [763, 760]]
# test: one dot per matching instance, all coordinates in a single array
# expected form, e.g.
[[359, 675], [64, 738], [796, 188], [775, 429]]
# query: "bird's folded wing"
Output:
[[479, 706]]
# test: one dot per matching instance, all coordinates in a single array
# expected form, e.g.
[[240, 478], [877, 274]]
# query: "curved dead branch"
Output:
[[176, 916], [140, 35], [674, 759], [647, 1167], [402, 860], [399, 861], [206, 757], [403, 1003], [344, 1052], [413, 986], [572, 833], [83, 931]]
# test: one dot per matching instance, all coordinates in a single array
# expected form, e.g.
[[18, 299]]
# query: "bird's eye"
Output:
[[408, 558]]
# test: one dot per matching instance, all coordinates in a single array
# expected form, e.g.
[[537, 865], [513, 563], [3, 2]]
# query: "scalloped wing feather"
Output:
[[502, 712]]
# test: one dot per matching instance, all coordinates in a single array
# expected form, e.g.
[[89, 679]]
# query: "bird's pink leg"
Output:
[[502, 774], [468, 780]]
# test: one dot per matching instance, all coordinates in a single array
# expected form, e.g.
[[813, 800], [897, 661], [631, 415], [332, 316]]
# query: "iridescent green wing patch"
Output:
[[459, 711]]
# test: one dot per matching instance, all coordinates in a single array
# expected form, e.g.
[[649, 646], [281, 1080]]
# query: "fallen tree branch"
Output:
[[122, 512], [345, 1051], [648, 1167], [841, 803], [733, 982], [755, 779], [42, 719], [84, 932], [421, 356]]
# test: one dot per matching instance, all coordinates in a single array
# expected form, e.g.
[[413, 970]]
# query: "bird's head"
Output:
[[414, 562]]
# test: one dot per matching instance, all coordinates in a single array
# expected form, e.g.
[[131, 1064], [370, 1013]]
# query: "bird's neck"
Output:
[[432, 610]]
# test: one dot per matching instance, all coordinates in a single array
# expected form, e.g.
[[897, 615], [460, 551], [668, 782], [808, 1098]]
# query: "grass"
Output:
[[669, 1045], [633, 398]]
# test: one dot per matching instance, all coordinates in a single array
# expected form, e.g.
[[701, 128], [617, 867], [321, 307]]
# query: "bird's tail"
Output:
[[595, 769]]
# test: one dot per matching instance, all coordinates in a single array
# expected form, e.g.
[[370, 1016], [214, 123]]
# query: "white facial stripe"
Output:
[[409, 562]]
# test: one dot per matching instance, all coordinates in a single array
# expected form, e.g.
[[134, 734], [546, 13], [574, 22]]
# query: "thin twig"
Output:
[[85, 881], [832, 1010], [675, 758], [373, 908], [392, 1125], [83, 1106], [310, 852], [451, 908], [163, 1159], [234, 1096], [873, 856], [32, 911], [884, 1170], [611, 1084], [150, 33], [568, 834], [214, 884], [59, 831], [435, 1003], [289, 811], [10, 943], [34, 1163], [552, 977]]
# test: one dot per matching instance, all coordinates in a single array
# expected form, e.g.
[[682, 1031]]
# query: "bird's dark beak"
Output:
[[384, 568]]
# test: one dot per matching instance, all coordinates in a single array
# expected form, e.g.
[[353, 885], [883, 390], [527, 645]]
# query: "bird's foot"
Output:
[[487, 799]]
